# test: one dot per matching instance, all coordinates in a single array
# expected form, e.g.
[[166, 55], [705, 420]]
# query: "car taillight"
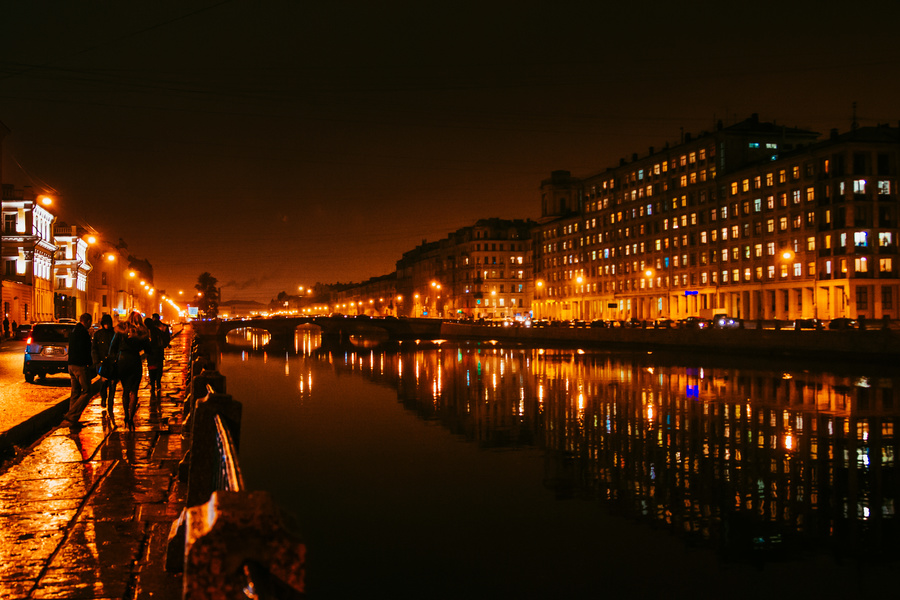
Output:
[[29, 340]]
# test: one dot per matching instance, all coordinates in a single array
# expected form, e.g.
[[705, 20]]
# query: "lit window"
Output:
[[884, 188], [734, 188], [810, 194], [757, 205], [770, 248], [811, 243], [859, 186], [861, 239], [770, 179], [885, 265], [770, 271], [862, 264], [885, 239], [758, 250], [798, 269]]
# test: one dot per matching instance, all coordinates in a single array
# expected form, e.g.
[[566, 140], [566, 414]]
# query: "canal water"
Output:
[[488, 471]]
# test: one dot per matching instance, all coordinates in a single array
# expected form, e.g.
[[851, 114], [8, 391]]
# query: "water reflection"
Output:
[[750, 459], [248, 337]]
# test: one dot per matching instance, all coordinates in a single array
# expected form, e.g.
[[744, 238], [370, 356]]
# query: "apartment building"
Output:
[[756, 220], [483, 271], [28, 250]]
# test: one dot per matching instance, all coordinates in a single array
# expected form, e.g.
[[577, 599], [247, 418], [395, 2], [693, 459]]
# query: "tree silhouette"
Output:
[[209, 295]]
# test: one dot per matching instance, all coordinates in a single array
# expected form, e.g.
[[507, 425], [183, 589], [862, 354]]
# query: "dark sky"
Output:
[[279, 143]]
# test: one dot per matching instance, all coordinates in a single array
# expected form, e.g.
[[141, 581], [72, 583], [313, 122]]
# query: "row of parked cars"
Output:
[[717, 322]]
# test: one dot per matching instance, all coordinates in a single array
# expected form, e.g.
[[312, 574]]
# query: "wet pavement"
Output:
[[86, 513]]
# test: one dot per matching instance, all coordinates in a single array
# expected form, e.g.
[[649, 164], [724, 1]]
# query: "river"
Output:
[[482, 471]]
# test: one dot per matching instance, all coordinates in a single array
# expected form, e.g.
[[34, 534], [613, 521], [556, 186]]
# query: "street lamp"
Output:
[[437, 295], [539, 285], [580, 281]]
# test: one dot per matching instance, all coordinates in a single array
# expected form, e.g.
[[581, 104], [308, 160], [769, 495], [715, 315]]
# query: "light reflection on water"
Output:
[[753, 462]]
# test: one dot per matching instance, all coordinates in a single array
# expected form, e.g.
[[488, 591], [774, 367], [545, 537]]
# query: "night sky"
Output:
[[283, 143]]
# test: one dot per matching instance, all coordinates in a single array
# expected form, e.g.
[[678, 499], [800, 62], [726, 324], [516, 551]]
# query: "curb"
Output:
[[34, 427]]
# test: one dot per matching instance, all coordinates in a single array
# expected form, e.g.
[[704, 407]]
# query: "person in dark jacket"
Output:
[[80, 371], [100, 352], [132, 339], [155, 359]]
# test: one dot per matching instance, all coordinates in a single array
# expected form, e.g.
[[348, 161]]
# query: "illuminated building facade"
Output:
[[70, 272], [756, 220], [28, 252], [477, 272]]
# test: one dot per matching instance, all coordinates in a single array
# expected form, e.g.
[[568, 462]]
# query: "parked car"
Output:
[[725, 322], [842, 323], [22, 332], [47, 350], [694, 323], [807, 324], [598, 324]]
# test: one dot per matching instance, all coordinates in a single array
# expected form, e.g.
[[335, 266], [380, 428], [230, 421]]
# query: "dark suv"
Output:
[[47, 350]]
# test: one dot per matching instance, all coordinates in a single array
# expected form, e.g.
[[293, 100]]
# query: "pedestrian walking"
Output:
[[132, 339], [5, 326], [155, 359], [80, 371], [100, 357]]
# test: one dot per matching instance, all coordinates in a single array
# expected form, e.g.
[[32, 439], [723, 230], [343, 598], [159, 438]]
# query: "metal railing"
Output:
[[229, 476]]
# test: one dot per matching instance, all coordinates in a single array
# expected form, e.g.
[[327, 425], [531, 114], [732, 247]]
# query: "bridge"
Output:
[[282, 329]]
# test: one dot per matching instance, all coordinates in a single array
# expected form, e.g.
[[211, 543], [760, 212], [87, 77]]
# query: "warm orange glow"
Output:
[[46, 200], [111, 257], [132, 274], [91, 239], [787, 255]]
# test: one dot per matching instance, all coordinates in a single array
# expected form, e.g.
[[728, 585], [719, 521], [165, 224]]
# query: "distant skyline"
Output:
[[284, 143]]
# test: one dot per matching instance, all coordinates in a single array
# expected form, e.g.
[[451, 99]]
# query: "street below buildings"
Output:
[[20, 400]]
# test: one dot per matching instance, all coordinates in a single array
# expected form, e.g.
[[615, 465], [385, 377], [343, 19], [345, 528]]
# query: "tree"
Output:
[[209, 295]]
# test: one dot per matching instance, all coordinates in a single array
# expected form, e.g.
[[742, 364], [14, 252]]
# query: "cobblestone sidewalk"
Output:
[[86, 513]]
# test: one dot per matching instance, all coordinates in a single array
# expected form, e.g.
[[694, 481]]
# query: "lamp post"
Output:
[[580, 281], [539, 286], [786, 256], [437, 296]]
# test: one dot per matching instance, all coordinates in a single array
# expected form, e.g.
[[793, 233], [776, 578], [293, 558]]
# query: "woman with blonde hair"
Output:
[[131, 340]]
